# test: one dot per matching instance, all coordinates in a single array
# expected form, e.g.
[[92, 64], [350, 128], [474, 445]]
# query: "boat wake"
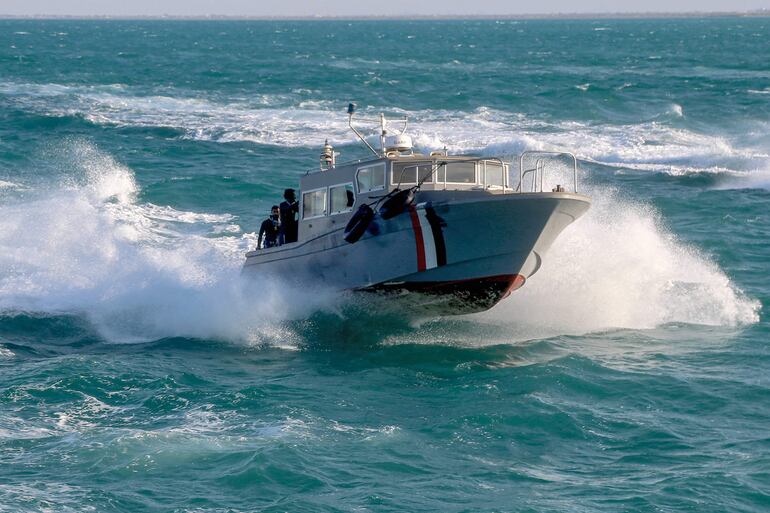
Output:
[[654, 142], [87, 245], [620, 267]]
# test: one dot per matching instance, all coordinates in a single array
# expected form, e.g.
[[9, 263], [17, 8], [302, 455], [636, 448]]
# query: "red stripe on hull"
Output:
[[418, 238]]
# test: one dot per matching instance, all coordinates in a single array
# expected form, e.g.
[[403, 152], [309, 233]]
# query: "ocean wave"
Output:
[[9, 185], [304, 122], [136, 271], [140, 271], [755, 180], [620, 267], [264, 119]]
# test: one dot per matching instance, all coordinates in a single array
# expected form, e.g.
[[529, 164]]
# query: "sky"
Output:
[[362, 7]]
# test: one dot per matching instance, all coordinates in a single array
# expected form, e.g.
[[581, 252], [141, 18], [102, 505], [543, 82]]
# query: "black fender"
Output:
[[358, 223], [397, 204]]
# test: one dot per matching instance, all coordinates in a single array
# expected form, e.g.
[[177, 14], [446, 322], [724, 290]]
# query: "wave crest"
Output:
[[619, 267], [136, 271], [140, 271]]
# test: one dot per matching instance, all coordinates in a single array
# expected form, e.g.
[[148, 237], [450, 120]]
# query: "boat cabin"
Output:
[[330, 194], [327, 194]]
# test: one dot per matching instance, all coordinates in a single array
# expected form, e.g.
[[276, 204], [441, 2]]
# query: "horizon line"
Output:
[[342, 17]]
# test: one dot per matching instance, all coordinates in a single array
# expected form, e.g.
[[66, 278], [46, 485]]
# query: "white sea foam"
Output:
[[620, 267], [143, 271], [51, 497], [279, 120], [260, 120], [676, 109], [759, 179], [86, 246]]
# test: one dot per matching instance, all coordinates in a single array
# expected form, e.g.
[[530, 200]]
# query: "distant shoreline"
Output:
[[407, 17]]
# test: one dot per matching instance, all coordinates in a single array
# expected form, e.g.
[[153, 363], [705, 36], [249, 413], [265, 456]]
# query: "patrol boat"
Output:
[[444, 234]]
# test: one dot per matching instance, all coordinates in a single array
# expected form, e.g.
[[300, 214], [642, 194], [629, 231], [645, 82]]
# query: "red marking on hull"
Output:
[[418, 238], [516, 283]]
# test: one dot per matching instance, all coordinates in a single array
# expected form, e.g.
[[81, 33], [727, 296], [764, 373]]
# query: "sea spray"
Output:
[[87, 246], [213, 119], [140, 271], [619, 266]]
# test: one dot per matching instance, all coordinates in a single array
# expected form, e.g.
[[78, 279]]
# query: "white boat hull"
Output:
[[453, 251]]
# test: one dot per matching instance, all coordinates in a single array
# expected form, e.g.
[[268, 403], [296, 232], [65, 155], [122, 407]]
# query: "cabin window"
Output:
[[371, 178], [494, 173], [411, 173], [425, 173], [314, 204], [341, 198], [458, 172]]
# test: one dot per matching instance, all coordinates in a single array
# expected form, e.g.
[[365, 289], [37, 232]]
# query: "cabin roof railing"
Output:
[[404, 158]]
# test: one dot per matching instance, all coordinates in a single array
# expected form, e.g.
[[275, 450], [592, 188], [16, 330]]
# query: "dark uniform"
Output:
[[270, 229], [289, 213]]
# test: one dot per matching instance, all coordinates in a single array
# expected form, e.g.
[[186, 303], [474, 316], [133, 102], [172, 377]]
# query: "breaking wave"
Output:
[[137, 271], [654, 145], [620, 267], [140, 271]]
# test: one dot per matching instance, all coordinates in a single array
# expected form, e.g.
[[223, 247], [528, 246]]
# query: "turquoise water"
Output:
[[139, 373]]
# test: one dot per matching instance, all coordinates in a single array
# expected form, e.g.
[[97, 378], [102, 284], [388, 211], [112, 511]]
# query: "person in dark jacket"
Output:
[[289, 213], [270, 229]]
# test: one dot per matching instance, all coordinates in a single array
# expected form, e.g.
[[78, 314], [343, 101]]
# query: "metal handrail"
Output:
[[314, 170], [540, 169]]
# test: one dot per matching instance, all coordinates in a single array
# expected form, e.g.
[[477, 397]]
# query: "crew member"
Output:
[[270, 229], [289, 213]]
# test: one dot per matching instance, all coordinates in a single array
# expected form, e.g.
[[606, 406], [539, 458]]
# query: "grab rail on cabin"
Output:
[[539, 169]]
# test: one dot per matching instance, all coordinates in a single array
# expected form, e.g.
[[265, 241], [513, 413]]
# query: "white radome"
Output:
[[398, 143]]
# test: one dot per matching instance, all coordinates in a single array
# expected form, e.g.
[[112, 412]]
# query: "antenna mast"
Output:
[[351, 111], [383, 122]]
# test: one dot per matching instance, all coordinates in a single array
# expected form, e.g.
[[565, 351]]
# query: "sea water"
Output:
[[139, 372]]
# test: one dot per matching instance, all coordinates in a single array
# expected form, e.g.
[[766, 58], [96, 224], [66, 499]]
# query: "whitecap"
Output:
[[137, 271], [311, 121], [620, 267], [758, 179]]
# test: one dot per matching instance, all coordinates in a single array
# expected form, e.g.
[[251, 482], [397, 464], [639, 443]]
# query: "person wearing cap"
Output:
[[289, 213]]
